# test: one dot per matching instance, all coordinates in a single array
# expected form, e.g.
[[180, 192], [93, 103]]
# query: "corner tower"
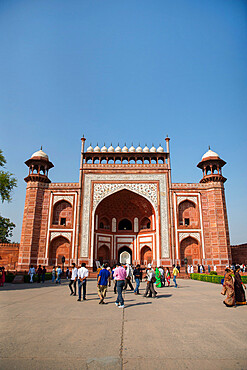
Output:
[[34, 210], [214, 213], [211, 165]]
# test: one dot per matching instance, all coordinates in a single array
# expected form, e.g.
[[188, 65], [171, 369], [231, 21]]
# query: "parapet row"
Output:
[[125, 149]]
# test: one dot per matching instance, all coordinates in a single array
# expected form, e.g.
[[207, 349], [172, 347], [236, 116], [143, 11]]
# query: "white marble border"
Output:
[[128, 179]]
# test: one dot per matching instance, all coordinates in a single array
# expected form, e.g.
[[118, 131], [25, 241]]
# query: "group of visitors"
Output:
[[40, 272], [233, 288], [122, 277]]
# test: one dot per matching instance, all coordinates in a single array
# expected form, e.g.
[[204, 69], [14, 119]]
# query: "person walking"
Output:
[[150, 292], [43, 274], [228, 289], [158, 278], [115, 281], [59, 275], [39, 272], [31, 272], [82, 281], [168, 276], [192, 269], [103, 281], [73, 279], [209, 269], [53, 274], [188, 270], [137, 275], [128, 278], [120, 276], [175, 273], [67, 273], [2, 276], [239, 287], [162, 273]]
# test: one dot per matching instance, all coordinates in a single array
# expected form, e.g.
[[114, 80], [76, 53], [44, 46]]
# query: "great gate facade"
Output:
[[125, 208]]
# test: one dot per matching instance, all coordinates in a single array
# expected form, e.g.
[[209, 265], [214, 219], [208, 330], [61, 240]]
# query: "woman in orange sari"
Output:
[[228, 288]]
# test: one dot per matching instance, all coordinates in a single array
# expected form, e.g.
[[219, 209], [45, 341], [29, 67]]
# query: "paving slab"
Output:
[[188, 327]]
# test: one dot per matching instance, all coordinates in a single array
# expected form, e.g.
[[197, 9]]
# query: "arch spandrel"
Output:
[[148, 191]]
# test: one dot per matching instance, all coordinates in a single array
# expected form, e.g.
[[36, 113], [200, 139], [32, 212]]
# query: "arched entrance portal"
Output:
[[124, 219], [103, 254], [189, 248], [125, 255], [146, 255], [59, 247]]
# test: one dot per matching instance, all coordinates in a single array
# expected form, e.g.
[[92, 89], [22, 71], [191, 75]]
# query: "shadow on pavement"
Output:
[[23, 286], [137, 304]]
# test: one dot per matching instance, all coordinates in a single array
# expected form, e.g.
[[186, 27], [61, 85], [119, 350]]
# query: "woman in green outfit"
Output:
[[158, 278]]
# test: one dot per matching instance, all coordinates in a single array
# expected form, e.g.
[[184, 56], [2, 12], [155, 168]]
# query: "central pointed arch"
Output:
[[125, 210]]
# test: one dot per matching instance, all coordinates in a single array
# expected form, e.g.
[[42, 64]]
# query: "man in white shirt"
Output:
[[31, 273], [73, 279], [82, 281]]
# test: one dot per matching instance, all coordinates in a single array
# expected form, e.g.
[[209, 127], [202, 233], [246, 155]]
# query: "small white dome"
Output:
[[125, 149], [132, 149], [139, 149], [153, 149], [97, 149], [160, 149], [40, 153], [210, 153], [90, 149], [146, 149], [104, 149], [111, 149], [118, 149]]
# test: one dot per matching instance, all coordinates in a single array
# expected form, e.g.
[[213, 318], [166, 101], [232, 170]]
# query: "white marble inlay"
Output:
[[182, 198], [186, 235], [68, 198], [125, 240], [105, 238], [146, 189], [64, 234]]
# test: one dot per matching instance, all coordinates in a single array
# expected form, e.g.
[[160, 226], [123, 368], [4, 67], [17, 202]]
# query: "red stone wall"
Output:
[[239, 253], [9, 255], [34, 227], [215, 225]]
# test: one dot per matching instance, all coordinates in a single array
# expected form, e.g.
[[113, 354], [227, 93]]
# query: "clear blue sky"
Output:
[[125, 71]]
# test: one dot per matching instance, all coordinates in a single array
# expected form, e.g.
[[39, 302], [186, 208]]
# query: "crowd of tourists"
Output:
[[121, 277]]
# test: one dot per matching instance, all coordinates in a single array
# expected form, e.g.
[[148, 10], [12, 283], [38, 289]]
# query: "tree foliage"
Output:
[[6, 228], [7, 183]]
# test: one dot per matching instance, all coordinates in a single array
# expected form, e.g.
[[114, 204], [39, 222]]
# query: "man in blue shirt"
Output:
[[103, 279]]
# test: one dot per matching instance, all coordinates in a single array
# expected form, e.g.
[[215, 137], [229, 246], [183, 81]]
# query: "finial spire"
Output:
[[41, 147], [209, 147]]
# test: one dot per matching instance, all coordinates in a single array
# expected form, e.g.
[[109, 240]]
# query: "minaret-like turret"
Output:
[[211, 165], [39, 166]]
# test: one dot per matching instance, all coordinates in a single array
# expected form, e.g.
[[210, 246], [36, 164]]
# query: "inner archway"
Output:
[[59, 247], [103, 254], [125, 255], [123, 218], [189, 248], [146, 255]]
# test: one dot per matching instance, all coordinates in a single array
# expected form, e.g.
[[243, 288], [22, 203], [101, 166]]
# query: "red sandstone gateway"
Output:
[[125, 208]]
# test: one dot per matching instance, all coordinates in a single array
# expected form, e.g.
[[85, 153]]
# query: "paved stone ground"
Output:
[[43, 327]]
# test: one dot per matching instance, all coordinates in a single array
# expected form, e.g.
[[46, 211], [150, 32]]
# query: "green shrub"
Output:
[[48, 276], [213, 273], [9, 277]]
